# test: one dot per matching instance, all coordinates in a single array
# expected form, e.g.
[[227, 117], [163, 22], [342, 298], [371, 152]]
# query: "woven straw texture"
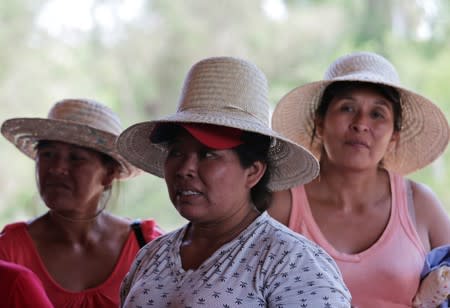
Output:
[[229, 92], [425, 131], [77, 121]]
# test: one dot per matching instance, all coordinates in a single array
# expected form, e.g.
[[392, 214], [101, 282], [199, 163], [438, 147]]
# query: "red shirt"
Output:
[[20, 288], [16, 245]]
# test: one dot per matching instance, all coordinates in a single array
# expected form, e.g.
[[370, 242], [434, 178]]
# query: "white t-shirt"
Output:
[[267, 265]]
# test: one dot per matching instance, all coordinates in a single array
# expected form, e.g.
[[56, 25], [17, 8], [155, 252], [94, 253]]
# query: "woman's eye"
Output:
[[45, 154], [209, 154], [346, 108], [173, 153], [77, 157], [377, 115]]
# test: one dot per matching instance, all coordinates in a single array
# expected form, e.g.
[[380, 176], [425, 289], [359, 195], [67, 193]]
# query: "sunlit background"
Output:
[[133, 55]]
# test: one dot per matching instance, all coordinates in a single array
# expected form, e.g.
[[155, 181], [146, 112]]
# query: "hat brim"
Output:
[[424, 135], [24, 133], [292, 164]]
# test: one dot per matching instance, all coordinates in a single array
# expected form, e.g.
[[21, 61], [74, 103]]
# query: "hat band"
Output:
[[215, 136]]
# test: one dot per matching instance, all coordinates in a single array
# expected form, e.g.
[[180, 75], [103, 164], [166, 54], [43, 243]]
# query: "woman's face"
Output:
[[71, 178], [357, 129], [207, 185]]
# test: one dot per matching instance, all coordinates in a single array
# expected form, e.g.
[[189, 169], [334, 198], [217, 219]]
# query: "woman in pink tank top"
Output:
[[368, 133]]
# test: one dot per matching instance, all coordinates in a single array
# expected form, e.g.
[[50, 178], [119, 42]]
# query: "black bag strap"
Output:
[[136, 226]]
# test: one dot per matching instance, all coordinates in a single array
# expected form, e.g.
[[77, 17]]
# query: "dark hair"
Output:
[[256, 148], [339, 87]]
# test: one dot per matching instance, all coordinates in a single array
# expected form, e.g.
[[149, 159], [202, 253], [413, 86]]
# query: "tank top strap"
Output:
[[302, 221], [399, 192], [298, 204]]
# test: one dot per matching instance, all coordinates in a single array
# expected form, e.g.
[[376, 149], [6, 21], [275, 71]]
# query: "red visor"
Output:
[[215, 136]]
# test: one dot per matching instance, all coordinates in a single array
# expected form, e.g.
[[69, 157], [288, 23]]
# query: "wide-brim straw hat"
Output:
[[424, 133], [228, 92], [82, 122]]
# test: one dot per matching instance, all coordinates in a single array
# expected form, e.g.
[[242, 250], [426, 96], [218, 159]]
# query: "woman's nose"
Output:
[[187, 165], [59, 166], [359, 123]]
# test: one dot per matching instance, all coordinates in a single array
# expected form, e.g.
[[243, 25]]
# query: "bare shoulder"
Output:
[[280, 206], [117, 224], [119, 220], [426, 202], [37, 228], [431, 215]]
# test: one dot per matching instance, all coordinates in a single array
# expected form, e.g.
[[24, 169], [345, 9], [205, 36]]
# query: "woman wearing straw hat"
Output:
[[220, 160], [368, 132], [78, 250]]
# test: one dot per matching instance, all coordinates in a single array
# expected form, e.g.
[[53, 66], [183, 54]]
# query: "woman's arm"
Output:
[[433, 222]]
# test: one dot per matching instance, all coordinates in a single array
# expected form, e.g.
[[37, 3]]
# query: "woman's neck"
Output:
[[349, 189], [69, 229], [203, 239], [219, 233]]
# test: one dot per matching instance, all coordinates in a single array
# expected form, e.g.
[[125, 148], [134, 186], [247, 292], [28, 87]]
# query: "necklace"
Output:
[[103, 200], [87, 219]]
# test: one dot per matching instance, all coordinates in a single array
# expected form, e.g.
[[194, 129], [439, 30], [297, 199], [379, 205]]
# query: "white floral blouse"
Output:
[[267, 265]]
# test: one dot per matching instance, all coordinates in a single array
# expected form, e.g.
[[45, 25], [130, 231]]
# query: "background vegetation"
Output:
[[133, 55]]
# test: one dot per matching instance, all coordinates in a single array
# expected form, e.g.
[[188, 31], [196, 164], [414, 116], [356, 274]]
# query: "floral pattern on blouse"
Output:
[[267, 265]]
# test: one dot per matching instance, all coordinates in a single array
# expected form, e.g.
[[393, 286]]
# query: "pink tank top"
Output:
[[388, 273]]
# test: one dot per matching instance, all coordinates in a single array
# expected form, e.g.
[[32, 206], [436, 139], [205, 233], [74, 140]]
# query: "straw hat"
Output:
[[424, 134], [227, 92], [81, 122]]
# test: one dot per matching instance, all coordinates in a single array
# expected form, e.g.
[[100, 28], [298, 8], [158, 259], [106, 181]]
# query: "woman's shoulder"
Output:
[[11, 235], [161, 245], [425, 200], [13, 229], [421, 190], [150, 229], [171, 236], [286, 237], [294, 250], [430, 214], [148, 225]]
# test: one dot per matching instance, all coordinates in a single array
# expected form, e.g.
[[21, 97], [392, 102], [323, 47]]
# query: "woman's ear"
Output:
[[318, 125], [255, 172], [112, 171], [394, 141]]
